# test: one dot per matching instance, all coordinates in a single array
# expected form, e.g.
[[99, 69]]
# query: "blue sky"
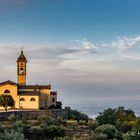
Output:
[[63, 20], [87, 49]]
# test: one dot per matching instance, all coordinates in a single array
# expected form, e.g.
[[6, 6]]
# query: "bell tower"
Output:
[[21, 69]]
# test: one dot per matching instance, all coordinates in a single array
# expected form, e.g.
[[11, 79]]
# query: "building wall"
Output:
[[21, 79], [27, 104], [44, 100], [45, 97], [13, 92], [53, 99]]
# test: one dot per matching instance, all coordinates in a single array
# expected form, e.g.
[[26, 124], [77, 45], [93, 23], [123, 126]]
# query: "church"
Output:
[[28, 96]]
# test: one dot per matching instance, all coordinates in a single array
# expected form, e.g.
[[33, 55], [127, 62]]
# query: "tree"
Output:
[[123, 114], [6, 100], [76, 115], [116, 116], [109, 130], [107, 117]]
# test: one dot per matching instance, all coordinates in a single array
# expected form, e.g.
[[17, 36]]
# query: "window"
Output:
[[32, 99], [21, 70], [7, 91], [53, 99], [22, 99], [21, 64]]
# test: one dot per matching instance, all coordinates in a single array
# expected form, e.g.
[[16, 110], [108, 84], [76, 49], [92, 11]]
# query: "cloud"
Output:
[[126, 42], [87, 46], [80, 68]]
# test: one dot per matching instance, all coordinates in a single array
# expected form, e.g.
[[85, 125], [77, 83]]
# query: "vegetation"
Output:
[[6, 100], [13, 135], [111, 124], [76, 115], [116, 123]]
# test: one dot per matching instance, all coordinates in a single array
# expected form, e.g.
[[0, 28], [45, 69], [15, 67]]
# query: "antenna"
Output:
[[22, 48]]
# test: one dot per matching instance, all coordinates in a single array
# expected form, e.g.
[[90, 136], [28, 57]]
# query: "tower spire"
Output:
[[21, 57]]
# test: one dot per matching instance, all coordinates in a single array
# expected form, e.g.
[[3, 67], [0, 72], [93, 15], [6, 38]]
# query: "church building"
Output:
[[28, 96]]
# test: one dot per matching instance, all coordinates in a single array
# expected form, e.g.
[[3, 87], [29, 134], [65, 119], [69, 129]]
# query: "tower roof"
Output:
[[21, 57]]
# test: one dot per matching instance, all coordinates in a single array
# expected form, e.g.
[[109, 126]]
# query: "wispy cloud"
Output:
[[89, 46], [127, 42]]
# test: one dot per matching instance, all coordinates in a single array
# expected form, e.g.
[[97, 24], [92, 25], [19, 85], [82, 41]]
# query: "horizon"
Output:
[[89, 51]]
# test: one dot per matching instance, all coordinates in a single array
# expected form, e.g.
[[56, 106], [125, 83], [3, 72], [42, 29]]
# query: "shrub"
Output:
[[110, 130], [63, 138], [99, 137], [13, 135], [132, 135], [21, 127], [92, 124], [82, 122], [47, 132], [18, 126], [12, 118], [48, 120]]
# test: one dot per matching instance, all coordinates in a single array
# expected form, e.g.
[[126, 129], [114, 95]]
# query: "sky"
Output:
[[89, 50]]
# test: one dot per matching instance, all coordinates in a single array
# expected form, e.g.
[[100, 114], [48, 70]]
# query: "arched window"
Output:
[[21, 70], [21, 64], [7, 91], [32, 99], [22, 99]]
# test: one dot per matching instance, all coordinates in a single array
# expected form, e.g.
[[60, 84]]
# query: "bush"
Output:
[[132, 135], [110, 130], [99, 137], [82, 122], [21, 127], [12, 118], [63, 138], [92, 124], [48, 120], [13, 135], [47, 132], [18, 126], [37, 134]]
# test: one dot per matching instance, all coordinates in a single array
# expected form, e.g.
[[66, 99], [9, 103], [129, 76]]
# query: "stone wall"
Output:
[[30, 115]]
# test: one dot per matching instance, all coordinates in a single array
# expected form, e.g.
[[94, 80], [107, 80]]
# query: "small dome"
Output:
[[21, 57]]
